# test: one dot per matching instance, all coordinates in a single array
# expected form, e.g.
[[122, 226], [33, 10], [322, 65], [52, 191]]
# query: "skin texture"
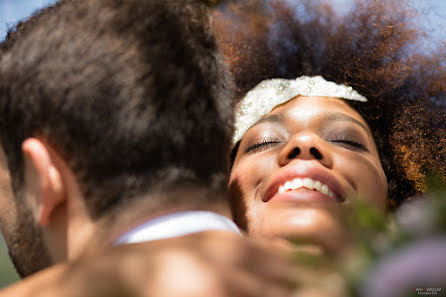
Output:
[[18, 226], [320, 129], [8, 211], [204, 264]]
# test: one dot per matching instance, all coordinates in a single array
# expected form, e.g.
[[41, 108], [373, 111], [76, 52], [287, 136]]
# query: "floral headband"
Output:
[[271, 92]]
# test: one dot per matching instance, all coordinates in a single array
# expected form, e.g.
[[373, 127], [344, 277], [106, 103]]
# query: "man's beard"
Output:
[[27, 248]]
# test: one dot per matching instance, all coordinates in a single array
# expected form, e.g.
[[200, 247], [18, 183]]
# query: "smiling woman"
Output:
[[318, 134], [301, 156], [306, 149]]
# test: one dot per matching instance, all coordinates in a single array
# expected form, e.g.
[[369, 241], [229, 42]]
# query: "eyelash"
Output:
[[262, 145], [351, 143], [267, 143]]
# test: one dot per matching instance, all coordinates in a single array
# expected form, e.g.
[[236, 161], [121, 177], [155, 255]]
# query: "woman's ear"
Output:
[[44, 187]]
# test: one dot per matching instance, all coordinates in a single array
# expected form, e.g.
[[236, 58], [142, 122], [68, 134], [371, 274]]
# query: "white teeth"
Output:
[[307, 183], [296, 183], [324, 189], [317, 185]]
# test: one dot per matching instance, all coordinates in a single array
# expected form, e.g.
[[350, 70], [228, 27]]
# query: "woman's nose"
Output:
[[306, 147]]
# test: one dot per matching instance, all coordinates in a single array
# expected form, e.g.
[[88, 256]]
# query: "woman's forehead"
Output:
[[306, 108]]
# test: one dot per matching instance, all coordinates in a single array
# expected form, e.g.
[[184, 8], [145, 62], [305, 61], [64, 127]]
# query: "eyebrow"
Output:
[[339, 116], [330, 117], [274, 118]]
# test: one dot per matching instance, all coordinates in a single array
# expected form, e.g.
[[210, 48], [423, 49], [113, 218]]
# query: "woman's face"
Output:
[[305, 158]]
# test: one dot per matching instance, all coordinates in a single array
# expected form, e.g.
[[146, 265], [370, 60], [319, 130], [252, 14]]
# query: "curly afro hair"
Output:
[[370, 49]]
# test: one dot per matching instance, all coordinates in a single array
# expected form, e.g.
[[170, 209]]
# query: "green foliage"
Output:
[[375, 235], [7, 272]]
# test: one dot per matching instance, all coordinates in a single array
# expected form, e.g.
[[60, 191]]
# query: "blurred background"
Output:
[[432, 18], [7, 272]]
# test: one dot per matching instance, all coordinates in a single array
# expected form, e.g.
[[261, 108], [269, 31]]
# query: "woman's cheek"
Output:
[[368, 177], [375, 190], [248, 181]]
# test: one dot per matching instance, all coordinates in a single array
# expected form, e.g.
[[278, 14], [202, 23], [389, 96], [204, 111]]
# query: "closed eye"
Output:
[[262, 145], [350, 144]]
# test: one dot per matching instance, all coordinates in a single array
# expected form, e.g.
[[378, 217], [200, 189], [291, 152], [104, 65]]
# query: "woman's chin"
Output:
[[315, 224]]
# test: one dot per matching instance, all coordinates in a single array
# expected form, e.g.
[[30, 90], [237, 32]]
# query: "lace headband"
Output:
[[269, 93]]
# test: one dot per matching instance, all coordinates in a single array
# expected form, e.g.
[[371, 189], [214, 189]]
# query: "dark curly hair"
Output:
[[369, 49], [134, 95]]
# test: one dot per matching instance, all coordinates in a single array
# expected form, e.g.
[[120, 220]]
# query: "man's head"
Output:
[[128, 97]]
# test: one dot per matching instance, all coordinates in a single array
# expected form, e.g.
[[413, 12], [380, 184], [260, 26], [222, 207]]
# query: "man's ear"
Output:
[[43, 180]]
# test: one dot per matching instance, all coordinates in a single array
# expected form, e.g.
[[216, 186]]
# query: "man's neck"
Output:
[[149, 207]]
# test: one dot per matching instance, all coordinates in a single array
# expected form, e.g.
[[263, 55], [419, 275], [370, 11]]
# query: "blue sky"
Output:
[[11, 11]]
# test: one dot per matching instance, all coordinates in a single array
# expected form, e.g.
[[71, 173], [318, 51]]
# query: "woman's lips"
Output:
[[306, 184], [302, 194]]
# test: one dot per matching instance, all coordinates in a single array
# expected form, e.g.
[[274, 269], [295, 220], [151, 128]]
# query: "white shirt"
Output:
[[177, 224]]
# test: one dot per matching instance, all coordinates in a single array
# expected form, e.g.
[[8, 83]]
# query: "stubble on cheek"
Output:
[[27, 248]]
